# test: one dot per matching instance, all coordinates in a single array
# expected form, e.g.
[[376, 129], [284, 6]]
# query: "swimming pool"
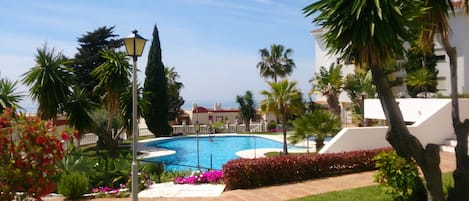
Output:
[[218, 149]]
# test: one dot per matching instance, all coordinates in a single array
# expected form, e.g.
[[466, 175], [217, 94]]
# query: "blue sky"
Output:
[[213, 44]]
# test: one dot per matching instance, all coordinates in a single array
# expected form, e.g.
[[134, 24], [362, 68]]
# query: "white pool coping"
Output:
[[149, 152], [169, 189]]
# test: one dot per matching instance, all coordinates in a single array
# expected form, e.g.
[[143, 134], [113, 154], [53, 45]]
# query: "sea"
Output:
[[30, 107]]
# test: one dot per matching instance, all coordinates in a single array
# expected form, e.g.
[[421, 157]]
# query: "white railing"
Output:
[[230, 128], [91, 138]]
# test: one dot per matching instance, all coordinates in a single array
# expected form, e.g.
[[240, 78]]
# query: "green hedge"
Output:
[[253, 173]]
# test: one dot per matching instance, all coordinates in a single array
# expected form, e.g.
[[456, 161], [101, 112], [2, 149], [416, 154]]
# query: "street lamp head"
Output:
[[134, 44]]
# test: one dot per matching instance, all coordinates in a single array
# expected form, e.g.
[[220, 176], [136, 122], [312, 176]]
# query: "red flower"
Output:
[[76, 134], [8, 111], [65, 136], [40, 140], [49, 125]]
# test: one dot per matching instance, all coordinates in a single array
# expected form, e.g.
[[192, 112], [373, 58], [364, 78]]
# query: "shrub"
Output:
[[111, 172], [399, 176], [152, 171], [253, 173], [219, 126], [29, 151], [271, 126], [73, 185]]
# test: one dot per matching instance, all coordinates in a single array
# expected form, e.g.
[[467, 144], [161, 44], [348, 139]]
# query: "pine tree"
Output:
[[155, 91], [88, 58]]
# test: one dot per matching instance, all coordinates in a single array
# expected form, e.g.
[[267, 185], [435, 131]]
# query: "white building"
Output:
[[460, 30]]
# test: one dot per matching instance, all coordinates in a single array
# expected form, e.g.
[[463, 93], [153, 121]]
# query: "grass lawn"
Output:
[[375, 193]]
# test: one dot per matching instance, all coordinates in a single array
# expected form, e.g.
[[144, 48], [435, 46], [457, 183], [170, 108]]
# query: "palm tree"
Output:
[[282, 99], [172, 76], [421, 80], [276, 63], [319, 123], [436, 22], [374, 33], [50, 81], [358, 87], [247, 108], [126, 109], [329, 83], [9, 98], [114, 78], [78, 109], [175, 101]]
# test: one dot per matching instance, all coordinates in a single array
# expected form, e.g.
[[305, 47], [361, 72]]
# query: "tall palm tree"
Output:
[[276, 63], [247, 108], [319, 123], [50, 81], [282, 99], [374, 33], [421, 80], [114, 77], [9, 98], [329, 83], [436, 22]]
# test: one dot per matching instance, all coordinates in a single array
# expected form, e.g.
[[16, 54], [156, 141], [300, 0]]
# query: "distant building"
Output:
[[227, 115]]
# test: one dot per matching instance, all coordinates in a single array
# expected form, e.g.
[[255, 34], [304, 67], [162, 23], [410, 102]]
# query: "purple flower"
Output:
[[214, 176]]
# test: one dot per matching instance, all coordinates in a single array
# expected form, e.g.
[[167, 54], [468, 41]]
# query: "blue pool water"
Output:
[[220, 149]]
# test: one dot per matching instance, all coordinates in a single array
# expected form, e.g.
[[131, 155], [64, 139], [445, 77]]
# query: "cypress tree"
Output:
[[155, 91]]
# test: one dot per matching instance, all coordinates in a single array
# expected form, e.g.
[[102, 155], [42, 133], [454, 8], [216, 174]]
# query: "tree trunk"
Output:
[[461, 174], [405, 144], [248, 125], [334, 105], [284, 128], [111, 145], [319, 144]]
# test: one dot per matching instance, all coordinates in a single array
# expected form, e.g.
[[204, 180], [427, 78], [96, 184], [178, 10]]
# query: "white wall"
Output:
[[433, 126], [412, 109]]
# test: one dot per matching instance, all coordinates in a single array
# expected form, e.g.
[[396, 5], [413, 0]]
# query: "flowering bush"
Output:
[[109, 192], [214, 176], [29, 151], [254, 173], [105, 189]]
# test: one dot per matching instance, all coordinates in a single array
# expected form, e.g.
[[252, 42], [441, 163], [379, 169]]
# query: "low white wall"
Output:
[[359, 138], [413, 109], [434, 125]]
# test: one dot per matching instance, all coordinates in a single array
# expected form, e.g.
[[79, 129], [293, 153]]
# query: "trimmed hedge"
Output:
[[253, 173]]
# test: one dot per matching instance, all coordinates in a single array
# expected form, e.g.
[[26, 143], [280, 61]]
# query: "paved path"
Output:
[[297, 190]]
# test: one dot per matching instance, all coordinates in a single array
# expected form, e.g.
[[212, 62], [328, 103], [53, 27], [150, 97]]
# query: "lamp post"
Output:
[[134, 45], [362, 108], [197, 130]]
